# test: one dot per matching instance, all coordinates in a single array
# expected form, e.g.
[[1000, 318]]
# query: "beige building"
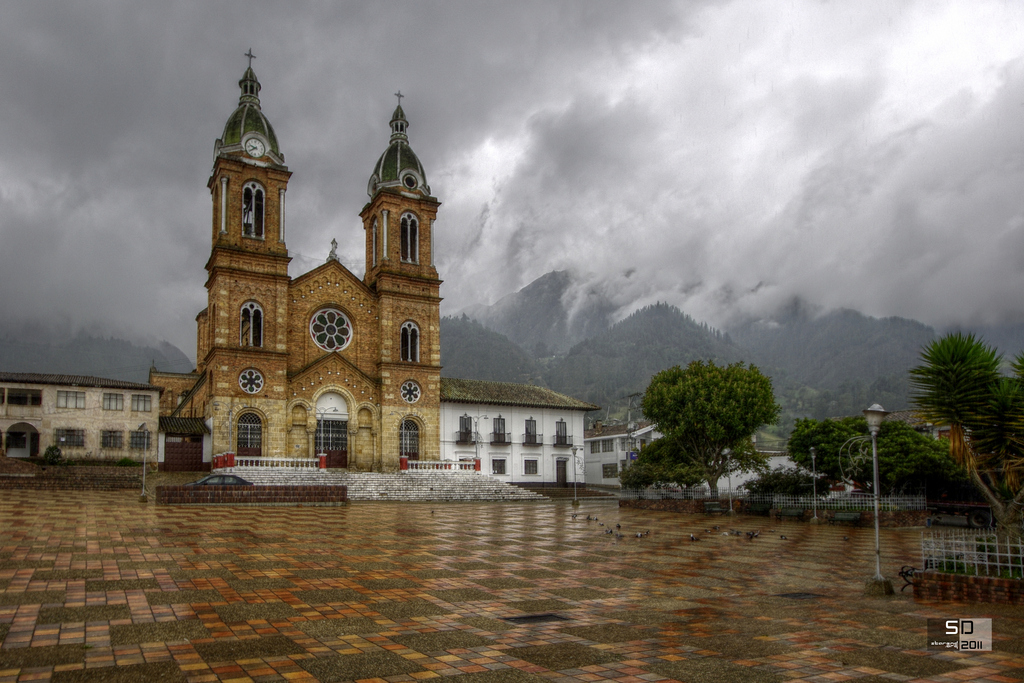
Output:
[[87, 417], [326, 362]]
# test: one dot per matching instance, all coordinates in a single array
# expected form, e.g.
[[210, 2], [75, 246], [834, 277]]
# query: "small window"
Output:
[[250, 329], [141, 403], [409, 440], [609, 471], [138, 440], [530, 436], [410, 343], [498, 429], [1, 396], [498, 466], [410, 239], [70, 438], [24, 397], [374, 239], [562, 437], [410, 181], [465, 434], [252, 210], [595, 446], [529, 467], [71, 399], [608, 445], [111, 439], [113, 401]]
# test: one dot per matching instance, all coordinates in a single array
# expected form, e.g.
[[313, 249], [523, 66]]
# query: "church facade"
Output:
[[326, 362]]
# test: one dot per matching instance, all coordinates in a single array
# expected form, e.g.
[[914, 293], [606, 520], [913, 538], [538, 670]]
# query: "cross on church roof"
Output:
[[251, 57], [399, 95]]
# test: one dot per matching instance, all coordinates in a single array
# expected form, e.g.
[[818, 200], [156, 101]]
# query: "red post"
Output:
[[323, 461], [476, 464], [403, 462], [218, 462], [230, 459]]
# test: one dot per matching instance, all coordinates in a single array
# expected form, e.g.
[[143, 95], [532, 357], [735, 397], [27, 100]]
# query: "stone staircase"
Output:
[[561, 493], [409, 486]]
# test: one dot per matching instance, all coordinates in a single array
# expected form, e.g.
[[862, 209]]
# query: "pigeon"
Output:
[[846, 538], [618, 526], [716, 528], [725, 533], [707, 531], [574, 515], [783, 538], [600, 523], [639, 535], [693, 538], [609, 531]]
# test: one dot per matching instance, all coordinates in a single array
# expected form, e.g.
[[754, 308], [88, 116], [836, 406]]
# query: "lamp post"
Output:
[[878, 585], [145, 452], [814, 483], [574, 501]]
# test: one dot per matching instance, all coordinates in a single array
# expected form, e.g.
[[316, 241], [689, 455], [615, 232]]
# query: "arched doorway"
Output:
[[250, 436], [21, 440], [332, 429], [409, 440]]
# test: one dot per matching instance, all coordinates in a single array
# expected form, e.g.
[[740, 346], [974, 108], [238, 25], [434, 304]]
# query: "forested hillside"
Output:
[[471, 351]]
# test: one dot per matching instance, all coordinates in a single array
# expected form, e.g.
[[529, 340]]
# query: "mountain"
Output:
[[549, 315], [621, 360], [471, 351], [86, 355]]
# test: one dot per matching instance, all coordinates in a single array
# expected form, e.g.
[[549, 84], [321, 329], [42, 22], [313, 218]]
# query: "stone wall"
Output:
[[77, 479], [942, 587], [251, 495]]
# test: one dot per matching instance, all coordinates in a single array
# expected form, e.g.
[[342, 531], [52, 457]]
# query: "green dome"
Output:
[[248, 118], [398, 166]]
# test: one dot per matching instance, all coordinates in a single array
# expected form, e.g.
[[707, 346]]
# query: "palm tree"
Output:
[[959, 384]]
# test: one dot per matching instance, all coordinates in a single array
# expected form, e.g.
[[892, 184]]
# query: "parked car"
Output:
[[221, 480]]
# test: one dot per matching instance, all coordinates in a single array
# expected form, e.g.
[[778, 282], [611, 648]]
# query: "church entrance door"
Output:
[[332, 441], [250, 436]]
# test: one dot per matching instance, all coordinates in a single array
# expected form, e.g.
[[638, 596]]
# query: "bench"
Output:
[[792, 512], [713, 507], [759, 508], [853, 517]]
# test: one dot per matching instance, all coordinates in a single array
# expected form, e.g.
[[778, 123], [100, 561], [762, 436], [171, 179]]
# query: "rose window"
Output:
[[251, 381], [330, 329], [410, 392]]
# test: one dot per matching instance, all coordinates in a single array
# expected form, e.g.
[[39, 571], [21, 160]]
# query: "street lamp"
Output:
[[574, 501], [874, 415], [814, 483], [145, 451]]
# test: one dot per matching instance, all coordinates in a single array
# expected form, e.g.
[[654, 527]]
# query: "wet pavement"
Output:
[[98, 587]]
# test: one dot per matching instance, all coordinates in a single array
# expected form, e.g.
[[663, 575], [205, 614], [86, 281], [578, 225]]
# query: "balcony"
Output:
[[464, 437], [533, 439], [501, 438], [563, 441]]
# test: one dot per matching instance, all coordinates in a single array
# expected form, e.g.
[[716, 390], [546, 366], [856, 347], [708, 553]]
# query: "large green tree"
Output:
[[907, 460], [708, 414], [959, 384]]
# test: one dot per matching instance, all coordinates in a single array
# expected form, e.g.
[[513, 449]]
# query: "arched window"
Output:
[[250, 435], [252, 210], [409, 440], [410, 343], [374, 230], [250, 330], [410, 239]]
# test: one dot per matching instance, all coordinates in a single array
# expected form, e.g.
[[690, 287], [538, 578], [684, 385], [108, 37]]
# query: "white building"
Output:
[[87, 417], [522, 434], [606, 450]]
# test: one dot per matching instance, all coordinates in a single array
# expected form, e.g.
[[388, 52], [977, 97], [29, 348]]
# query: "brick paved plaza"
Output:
[[98, 587]]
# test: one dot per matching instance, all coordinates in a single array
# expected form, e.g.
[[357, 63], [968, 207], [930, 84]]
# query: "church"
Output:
[[328, 363]]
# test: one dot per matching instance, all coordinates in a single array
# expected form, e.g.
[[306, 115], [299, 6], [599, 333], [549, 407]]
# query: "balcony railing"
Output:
[[533, 439], [501, 438], [563, 440], [462, 437]]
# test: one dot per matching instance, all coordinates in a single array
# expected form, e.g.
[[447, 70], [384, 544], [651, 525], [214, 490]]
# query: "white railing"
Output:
[[441, 465], [777, 501], [978, 553], [279, 463]]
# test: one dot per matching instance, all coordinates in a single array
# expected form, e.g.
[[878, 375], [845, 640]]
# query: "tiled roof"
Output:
[[183, 425], [507, 394], [72, 381], [614, 430]]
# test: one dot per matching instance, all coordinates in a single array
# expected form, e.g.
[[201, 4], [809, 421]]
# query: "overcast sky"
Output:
[[725, 157]]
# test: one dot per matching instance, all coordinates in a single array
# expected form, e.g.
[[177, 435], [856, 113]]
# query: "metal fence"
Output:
[[978, 553], [777, 501]]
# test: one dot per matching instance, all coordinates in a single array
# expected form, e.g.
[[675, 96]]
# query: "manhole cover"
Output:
[[799, 596], [536, 618]]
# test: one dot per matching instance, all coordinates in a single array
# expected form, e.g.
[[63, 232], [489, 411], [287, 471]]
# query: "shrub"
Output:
[[127, 462], [53, 456], [792, 481]]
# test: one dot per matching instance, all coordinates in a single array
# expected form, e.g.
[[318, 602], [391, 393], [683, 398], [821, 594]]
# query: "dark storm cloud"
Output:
[[726, 157]]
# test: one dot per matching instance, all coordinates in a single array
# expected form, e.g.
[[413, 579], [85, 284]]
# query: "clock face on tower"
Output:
[[255, 147]]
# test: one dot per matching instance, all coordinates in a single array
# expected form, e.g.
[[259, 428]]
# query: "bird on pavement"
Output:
[[693, 538], [783, 538]]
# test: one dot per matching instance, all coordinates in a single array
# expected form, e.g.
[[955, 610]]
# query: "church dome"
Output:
[[398, 166], [248, 118]]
